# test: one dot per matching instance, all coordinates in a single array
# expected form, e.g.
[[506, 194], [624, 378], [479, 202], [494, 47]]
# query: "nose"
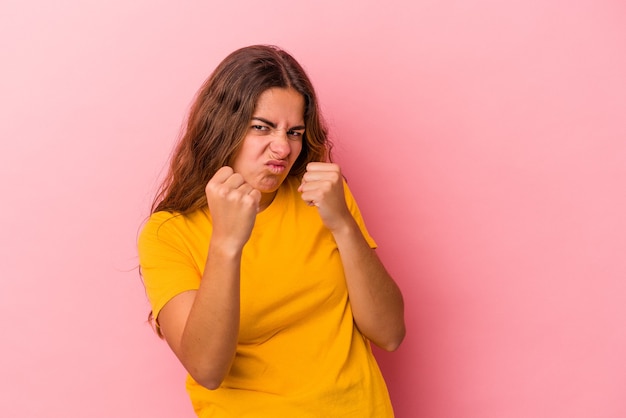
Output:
[[280, 144]]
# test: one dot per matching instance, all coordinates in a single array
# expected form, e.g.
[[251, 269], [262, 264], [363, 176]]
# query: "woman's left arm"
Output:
[[375, 298]]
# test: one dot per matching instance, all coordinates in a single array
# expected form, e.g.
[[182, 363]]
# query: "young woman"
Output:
[[259, 269]]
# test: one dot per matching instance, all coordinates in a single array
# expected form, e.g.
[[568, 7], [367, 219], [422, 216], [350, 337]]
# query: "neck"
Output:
[[266, 200]]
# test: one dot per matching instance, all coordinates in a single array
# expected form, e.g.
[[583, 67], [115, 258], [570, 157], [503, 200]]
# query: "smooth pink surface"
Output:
[[484, 140]]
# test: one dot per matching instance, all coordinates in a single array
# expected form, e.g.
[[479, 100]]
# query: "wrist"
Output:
[[225, 248], [346, 230]]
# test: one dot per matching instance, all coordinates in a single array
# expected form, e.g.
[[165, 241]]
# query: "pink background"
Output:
[[484, 140]]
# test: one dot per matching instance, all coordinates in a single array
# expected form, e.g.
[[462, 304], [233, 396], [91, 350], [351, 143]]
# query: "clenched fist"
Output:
[[322, 186], [233, 204]]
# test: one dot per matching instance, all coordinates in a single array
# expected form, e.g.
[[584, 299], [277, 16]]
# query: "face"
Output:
[[273, 141]]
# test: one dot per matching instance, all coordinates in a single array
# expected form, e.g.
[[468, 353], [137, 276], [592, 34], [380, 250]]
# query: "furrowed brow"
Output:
[[265, 121], [273, 125]]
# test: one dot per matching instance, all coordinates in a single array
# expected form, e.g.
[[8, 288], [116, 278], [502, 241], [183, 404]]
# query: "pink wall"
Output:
[[484, 140]]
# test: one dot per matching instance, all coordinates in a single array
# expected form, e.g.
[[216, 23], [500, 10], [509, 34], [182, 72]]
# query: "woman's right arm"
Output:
[[201, 326]]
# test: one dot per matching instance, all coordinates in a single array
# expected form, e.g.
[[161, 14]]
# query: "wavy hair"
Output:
[[219, 117]]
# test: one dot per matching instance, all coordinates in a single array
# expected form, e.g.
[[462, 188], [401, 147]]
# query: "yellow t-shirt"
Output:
[[299, 352]]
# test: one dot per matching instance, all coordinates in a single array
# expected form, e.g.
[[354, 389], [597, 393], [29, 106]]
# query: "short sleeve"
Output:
[[167, 265], [356, 214]]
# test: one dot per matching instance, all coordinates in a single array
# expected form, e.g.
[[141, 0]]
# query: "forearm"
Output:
[[209, 340], [376, 300]]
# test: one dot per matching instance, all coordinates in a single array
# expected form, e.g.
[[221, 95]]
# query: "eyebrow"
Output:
[[273, 125]]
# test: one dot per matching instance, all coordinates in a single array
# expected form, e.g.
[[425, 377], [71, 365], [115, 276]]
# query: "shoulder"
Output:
[[348, 193], [160, 222], [171, 226]]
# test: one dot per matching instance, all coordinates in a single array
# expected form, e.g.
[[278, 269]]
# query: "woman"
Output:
[[261, 274]]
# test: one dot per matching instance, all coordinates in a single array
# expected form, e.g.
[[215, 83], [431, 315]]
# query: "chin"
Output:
[[269, 184], [267, 189]]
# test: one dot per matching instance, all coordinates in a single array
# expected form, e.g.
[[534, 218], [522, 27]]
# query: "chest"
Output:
[[291, 271]]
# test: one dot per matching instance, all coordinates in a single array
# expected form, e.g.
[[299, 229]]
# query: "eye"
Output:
[[260, 129], [295, 134]]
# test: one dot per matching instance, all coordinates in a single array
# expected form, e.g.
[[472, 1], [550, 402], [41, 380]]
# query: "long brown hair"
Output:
[[219, 118]]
